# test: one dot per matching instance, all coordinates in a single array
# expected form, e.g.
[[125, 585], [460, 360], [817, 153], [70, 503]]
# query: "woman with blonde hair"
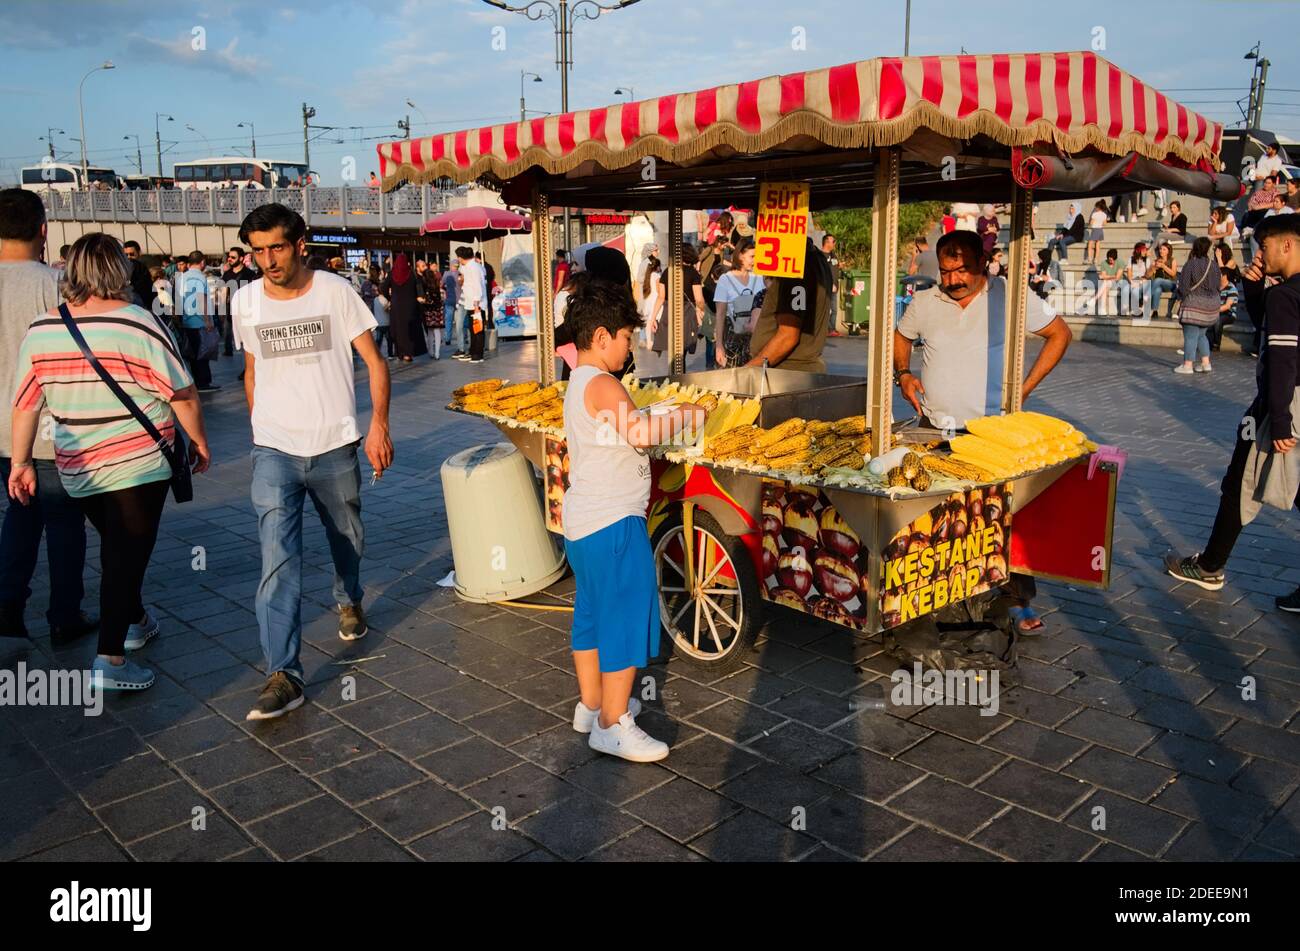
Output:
[[112, 375]]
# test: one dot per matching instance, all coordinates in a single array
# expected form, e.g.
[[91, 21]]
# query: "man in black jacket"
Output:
[[141, 285], [1278, 377]]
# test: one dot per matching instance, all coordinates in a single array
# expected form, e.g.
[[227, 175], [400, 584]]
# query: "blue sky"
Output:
[[357, 62]]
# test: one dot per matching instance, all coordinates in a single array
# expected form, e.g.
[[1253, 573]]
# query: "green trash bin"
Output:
[[857, 296]]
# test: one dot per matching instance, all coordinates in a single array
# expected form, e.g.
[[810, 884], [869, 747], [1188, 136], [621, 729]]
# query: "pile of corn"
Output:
[[528, 403], [1007, 446], [797, 445]]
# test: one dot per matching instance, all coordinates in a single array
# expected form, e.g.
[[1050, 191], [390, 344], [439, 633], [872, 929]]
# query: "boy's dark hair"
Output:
[[197, 257], [1278, 226], [270, 216], [594, 304], [65, 250], [238, 250], [131, 244], [465, 253], [21, 215]]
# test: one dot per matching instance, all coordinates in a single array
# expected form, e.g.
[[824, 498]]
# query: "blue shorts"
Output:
[[616, 608]]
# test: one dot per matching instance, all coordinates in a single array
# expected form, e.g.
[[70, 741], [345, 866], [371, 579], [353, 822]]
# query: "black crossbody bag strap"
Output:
[[117, 390]]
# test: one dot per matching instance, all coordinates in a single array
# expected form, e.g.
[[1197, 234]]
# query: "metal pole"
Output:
[[253, 132], [1259, 94], [157, 141], [1013, 373], [545, 299], [306, 147], [562, 24], [81, 118], [907, 28], [884, 257], [522, 115], [676, 301]]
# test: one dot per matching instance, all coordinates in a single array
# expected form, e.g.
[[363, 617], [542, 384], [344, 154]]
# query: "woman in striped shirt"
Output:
[[106, 460]]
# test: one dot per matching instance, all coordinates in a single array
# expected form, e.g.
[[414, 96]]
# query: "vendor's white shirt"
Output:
[[961, 366], [1098, 219], [304, 396], [473, 285]]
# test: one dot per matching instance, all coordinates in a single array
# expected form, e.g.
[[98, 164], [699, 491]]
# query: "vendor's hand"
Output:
[[22, 484], [379, 449], [721, 358], [912, 388], [200, 457], [1279, 445]]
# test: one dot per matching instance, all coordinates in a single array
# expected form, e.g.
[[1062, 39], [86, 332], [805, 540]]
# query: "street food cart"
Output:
[[731, 538]]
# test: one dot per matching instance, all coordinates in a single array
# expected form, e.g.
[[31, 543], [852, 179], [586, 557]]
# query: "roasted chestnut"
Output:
[[773, 516], [998, 537], [800, 523], [942, 527], [830, 610], [918, 542], [975, 505], [794, 571], [960, 524], [835, 576], [995, 570], [897, 548], [771, 555], [791, 599], [836, 534], [993, 508]]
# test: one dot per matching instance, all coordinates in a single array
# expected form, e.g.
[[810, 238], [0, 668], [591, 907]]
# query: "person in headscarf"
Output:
[[403, 311], [986, 226]]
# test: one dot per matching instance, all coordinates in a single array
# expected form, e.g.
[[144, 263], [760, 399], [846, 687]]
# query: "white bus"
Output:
[[238, 170], [64, 177]]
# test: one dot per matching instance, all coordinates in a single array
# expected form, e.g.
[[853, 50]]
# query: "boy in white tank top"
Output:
[[616, 621]]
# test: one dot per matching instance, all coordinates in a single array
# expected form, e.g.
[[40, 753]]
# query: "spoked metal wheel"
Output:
[[708, 592]]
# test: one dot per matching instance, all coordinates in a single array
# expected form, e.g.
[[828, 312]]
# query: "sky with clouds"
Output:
[[215, 63]]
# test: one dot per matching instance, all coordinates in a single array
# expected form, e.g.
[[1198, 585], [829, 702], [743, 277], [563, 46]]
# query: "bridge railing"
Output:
[[335, 207]]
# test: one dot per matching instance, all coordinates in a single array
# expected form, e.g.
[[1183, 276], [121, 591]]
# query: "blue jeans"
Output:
[[461, 325], [57, 515], [449, 322], [1158, 286], [280, 484], [1196, 345], [710, 354]]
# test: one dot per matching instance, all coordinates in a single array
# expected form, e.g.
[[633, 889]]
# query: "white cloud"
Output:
[[181, 51]]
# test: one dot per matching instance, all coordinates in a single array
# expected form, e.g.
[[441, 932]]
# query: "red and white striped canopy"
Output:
[[1075, 100]]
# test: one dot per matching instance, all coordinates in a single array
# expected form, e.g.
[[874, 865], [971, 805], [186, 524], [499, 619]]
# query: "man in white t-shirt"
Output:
[[474, 301], [1269, 164], [963, 322], [297, 329]]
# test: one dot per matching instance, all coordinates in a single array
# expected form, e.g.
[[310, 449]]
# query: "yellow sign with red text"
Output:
[[781, 231]]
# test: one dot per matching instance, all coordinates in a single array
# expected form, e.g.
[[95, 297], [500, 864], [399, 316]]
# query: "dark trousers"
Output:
[[54, 513], [199, 369], [1227, 522], [127, 522], [477, 341], [227, 334], [384, 340]]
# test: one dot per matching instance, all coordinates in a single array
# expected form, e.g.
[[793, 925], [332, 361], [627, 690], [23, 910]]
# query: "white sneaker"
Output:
[[1121, 219], [584, 716], [1141, 212], [138, 635], [627, 741], [1183, 370]]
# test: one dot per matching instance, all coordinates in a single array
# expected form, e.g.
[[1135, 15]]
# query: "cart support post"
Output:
[[544, 297], [676, 308], [1013, 373], [884, 255]]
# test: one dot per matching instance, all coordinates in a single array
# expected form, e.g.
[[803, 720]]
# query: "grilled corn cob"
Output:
[[944, 465], [791, 459], [709, 401], [842, 456], [817, 428], [895, 478], [733, 439], [787, 446], [779, 432], [519, 389], [910, 465], [921, 481], [478, 386], [506, 407], [539, 396], [851, 425]]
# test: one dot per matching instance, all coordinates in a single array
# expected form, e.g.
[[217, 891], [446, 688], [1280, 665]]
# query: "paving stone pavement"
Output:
[[1132, 703]]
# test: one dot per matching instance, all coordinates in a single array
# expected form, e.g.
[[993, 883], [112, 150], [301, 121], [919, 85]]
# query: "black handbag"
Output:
[[182, 480]]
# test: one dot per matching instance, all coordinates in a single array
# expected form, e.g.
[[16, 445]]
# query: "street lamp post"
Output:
[[562, 13], [157, 137], [49, 139], [523, 113], [206, 143], [81, 116], [252, 131], [626, 91], [907, 29], [139, 158]]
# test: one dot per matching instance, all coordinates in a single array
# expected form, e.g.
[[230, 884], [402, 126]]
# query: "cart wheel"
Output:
[[714, 624]]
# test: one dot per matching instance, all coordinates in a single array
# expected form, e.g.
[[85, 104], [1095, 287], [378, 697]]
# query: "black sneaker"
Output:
[[1290, 602], [1189, 569], [280, 695], [61, 635]]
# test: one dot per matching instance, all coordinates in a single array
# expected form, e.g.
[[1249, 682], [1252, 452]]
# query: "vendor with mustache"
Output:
[[963, 322]]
